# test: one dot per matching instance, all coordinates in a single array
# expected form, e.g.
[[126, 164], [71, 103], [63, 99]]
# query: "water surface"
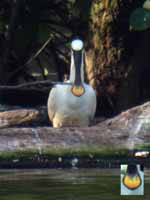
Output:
[[60, 184]]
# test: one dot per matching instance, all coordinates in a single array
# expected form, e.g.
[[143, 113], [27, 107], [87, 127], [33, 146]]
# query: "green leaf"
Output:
[[2, 24], [140, 19], [46, 72], [146, 4]]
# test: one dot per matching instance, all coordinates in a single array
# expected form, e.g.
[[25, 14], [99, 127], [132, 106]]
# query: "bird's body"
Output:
[[65, 109], [72, 103]]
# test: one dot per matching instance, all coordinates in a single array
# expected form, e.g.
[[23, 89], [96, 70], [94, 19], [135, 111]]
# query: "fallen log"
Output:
[[127, 131], [16, 117], [22, 116], [115, 138]]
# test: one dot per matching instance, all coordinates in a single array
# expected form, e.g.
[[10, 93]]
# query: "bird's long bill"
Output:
[[132, 179], [78, 88]]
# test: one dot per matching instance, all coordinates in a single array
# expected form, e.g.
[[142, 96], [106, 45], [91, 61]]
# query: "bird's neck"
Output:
[[73, 71]]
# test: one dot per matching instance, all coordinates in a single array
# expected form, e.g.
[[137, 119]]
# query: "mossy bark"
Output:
[[110, 52]]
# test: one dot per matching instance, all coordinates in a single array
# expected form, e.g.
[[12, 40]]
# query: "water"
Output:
[[59, 184]]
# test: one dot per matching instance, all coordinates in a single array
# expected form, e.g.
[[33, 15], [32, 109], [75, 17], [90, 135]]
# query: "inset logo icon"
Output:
[[132, 179]]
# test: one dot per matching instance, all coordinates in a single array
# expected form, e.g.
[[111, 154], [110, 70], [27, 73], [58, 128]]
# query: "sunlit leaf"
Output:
[[140, 19], [146, 4], [46, 72]]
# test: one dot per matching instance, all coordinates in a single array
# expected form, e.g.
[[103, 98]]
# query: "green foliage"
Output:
[[4, 20], [140, 18], [146, 4], [1, 26], [43, 33], [46, 72], [30, 24]]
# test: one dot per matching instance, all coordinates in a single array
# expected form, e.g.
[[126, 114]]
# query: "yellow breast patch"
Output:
[[77, 90]]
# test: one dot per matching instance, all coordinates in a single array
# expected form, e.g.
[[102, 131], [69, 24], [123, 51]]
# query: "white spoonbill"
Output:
[[73, 103]]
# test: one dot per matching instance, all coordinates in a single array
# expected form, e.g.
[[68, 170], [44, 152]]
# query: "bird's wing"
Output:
[[52, 103], [93, 103]]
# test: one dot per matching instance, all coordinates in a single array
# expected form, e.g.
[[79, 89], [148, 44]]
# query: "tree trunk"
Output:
[[109, 55]]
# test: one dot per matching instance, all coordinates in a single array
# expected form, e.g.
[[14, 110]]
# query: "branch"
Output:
[[32, 84], [31, 59]]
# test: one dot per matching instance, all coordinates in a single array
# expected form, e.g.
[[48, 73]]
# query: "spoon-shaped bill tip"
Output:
[[77, 44]]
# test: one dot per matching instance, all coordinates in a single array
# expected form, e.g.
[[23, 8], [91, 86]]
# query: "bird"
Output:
[[73, 103], [132, 179]]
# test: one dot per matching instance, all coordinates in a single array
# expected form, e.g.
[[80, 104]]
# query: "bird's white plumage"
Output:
[[66, 109], [77, 45]]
